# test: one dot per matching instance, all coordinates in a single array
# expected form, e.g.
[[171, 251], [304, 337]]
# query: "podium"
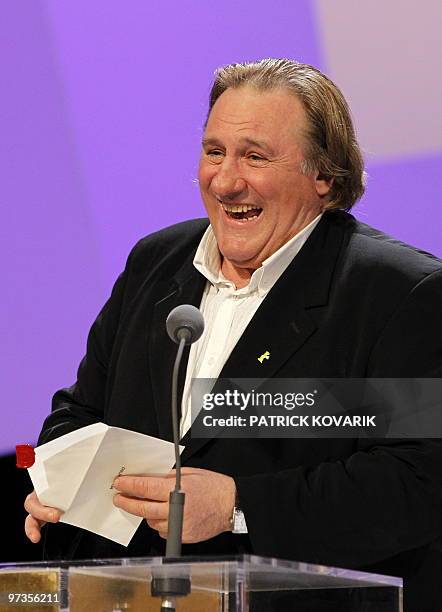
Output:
[[221, 584]]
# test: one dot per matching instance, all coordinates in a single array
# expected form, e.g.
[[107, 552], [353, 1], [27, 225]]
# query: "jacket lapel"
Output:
[[285, 319], [185, 288]]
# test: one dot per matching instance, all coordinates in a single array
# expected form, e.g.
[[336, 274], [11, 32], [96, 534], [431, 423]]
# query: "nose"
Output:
[[228, 183]]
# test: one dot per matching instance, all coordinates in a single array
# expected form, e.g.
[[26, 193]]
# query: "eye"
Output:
[[255, 159], [215, 155]]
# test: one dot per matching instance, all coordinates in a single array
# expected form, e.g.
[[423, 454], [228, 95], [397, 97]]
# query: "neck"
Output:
[[239, 276]]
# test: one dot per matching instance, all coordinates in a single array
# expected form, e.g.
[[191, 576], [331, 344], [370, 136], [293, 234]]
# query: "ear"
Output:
[[323, 184]]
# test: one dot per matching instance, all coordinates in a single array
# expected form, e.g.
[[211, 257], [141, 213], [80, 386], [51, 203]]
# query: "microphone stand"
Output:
[[170, 587]]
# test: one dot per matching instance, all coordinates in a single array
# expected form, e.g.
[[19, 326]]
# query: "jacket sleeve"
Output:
[[83, 403], [384, 499]]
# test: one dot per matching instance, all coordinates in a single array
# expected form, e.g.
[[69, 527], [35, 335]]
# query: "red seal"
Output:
[[25, 455]]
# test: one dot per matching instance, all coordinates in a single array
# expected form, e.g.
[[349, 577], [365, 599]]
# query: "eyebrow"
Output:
[[245, 140]]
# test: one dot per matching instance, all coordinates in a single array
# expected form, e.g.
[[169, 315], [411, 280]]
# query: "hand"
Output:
[[208, 507], [38, 516]]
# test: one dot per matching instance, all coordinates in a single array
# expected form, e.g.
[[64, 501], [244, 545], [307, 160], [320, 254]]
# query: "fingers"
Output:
[[145, 496], [40, 512], [145, 487], [38, 516], [33, 528], [160, 526], [139, 507]]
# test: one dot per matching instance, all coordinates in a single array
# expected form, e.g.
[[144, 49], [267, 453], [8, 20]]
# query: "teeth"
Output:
[[236, 209]]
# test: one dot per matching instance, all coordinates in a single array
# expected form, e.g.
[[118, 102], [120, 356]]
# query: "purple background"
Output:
[[101, 112]]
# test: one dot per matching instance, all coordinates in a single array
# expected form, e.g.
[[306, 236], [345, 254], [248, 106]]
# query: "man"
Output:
[[283, 268]]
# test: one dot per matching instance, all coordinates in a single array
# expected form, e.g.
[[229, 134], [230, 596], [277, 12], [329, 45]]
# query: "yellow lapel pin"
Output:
[[265, 355]]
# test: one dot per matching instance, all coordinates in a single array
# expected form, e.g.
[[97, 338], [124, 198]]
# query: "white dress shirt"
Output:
[[227, 311]]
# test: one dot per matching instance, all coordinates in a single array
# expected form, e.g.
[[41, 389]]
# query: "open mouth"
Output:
[[241, 212]]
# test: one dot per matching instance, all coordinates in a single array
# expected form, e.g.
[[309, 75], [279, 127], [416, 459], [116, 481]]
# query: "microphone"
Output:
[[186, 322], [185, 325]]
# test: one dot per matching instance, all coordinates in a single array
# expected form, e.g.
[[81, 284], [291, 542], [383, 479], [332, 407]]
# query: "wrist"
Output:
[[230, 505]]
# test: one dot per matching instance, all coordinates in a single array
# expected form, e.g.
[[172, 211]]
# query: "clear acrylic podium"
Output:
[[222, 584]]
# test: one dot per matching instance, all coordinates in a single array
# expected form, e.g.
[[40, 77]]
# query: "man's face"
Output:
[[250, 177]]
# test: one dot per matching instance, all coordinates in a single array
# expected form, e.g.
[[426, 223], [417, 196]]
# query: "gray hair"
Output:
[[332, 148]]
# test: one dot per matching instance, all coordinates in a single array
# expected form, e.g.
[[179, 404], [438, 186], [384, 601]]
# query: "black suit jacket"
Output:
[[353, 303]]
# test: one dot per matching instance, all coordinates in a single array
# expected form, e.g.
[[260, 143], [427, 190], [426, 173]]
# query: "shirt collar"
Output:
[[207, 260]]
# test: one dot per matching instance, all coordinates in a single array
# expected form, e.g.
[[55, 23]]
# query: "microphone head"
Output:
[[185, 321]]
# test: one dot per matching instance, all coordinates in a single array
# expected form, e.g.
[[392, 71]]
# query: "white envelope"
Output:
[[75, 474]]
